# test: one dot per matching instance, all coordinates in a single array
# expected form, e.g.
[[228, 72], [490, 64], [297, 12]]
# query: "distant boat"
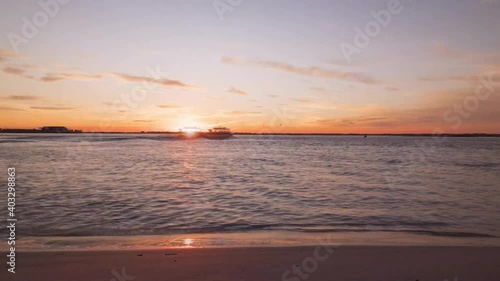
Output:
[[217, 133]]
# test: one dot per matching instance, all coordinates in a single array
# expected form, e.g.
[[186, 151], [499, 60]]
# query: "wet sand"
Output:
[[259, 264]]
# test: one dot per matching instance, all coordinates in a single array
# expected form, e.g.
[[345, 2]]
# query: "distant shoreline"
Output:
[[34, 131]]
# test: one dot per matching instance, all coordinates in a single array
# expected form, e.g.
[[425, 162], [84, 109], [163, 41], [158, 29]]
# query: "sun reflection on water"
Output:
[[188, 241]]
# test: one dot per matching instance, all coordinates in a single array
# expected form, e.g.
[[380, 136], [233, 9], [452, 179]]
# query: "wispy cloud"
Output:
[[320, 90], [169, 106], [392, 89], [6, 54], [235, 91], [365, 121], [22, 97], [493, 77], [14, 70], [52, 108], [444, 51], [302, 100], [161, 81], [312, 71], [143, 121], [51, 76], [237, 112], [8, 108], [21, 70]]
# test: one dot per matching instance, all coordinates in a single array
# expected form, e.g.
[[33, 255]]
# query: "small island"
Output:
[[45, 129]]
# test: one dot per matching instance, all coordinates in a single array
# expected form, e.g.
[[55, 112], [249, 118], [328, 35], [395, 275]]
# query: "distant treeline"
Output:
[[46, 129]]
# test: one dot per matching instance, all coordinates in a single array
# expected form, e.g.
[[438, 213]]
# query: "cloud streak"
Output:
[[53, 77], [161, 81], [237, 112], [14, 70], [320, 90], [8, 108], [50, 77], [235, 91], [392, 89], [492, 77], [6, 54], [52, 108], [22, 97], [312, 71], [169, 106], [444, 51], [143, 121]]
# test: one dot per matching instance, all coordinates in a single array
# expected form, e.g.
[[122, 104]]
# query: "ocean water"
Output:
[[133, 185]]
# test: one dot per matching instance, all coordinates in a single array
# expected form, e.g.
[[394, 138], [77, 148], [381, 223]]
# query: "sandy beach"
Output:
[[271, 263]]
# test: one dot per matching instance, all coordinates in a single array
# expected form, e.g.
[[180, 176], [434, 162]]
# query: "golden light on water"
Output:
[[190, 134], [188, 242]]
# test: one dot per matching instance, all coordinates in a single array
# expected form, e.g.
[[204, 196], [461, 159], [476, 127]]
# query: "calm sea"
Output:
[[127, 185]]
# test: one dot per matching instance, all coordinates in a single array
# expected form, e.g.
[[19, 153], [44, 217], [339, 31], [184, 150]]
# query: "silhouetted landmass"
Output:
[[45, 129]]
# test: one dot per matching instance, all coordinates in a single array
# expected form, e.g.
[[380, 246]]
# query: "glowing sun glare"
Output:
[[188, 242], [189, 123]]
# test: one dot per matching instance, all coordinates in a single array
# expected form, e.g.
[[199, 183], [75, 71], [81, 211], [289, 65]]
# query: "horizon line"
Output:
[[32, 130]]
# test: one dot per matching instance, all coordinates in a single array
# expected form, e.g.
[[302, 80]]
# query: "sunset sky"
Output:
[[256, 66]]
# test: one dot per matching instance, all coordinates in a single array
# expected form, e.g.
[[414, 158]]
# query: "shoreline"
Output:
[[260, 239]]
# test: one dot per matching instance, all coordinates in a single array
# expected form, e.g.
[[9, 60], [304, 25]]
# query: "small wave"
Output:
[[394, 161], [478, 165], [452, 234], [422, 232], [15, 141], [242, 227]]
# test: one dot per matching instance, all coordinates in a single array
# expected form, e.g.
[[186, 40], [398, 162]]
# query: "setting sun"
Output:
[[189, 124], [188, 242]]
